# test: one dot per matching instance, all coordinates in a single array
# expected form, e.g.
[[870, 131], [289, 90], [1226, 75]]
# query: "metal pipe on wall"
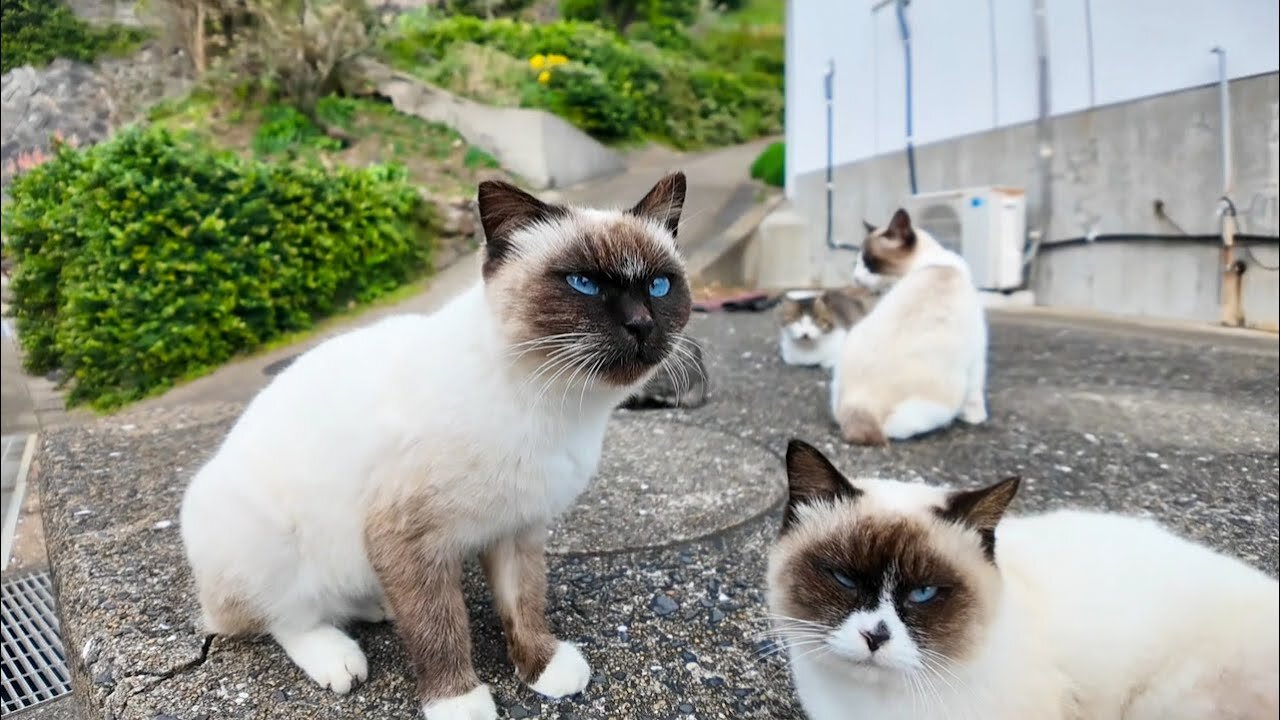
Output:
[[1224, 114], [1232, 306], [1044, 143], [904, 32]]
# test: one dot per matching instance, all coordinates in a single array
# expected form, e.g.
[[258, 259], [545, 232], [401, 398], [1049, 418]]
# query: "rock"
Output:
[[663, 605], [80, 103]]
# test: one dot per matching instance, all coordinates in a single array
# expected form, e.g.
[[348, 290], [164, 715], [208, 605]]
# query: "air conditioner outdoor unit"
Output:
[[985, 225]]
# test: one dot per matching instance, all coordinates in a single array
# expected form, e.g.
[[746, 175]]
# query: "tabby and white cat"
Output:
[[906, 601], [919, 358], [814, 323], [356, 483]]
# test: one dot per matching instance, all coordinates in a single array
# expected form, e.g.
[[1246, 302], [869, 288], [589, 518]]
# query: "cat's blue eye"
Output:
[[660, 286], [582, 284], [843, 580], [922, 594]]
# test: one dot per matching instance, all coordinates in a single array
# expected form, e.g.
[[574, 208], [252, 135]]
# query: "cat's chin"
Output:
[[629, 376], [862, 670]]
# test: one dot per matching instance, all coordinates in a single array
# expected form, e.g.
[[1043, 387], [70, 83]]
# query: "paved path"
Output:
[[657, 571]]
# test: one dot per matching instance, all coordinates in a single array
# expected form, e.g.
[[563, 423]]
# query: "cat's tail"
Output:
[[859, 427]]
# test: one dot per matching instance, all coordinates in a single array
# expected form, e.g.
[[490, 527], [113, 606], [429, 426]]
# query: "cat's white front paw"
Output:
[[475, 705], [974, 413], [330, 658], [567, 674]]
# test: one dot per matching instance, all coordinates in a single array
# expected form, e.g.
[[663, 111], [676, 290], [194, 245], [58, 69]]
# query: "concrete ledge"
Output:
[[660, 577], [543, 149], [728, 257]]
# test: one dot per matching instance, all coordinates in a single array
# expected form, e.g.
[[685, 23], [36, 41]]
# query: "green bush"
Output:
[[614, 89], [770, 167], [621, 14], [745, 48], [152, 258], [486, 8], [36, 32]]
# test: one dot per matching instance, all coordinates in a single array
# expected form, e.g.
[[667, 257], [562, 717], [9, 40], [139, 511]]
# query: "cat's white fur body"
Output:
[[1099, 617], [804, 343], [278, 514], [919, 358]]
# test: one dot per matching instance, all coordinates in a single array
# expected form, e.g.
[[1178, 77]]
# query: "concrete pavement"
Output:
[[658, 570]]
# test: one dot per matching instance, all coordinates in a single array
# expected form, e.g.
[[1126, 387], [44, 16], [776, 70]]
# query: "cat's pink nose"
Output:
[[876, 636]]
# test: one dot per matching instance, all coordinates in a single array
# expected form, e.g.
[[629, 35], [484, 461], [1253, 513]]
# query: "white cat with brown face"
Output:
[[355, 484], [904, 601], [919, 359]]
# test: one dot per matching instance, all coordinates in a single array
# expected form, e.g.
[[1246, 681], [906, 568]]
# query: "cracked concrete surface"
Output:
[[667, 604]]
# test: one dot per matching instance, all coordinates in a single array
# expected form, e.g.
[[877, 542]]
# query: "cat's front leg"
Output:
[[422, 578], [974, 409], [517, 572]]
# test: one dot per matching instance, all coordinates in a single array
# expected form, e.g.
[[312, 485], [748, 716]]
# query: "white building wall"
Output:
[[975, 64]]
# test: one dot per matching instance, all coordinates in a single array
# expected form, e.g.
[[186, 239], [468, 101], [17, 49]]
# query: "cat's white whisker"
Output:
[[570, 362], [558, 359], [591, 378]]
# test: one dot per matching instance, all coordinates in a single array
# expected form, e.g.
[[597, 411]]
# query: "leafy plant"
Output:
[[151, 257], [301, 46], [770, 166], [284, 129], [38, 31]]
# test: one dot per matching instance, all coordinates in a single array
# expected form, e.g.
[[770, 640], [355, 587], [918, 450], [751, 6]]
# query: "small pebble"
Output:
[[663, 605]]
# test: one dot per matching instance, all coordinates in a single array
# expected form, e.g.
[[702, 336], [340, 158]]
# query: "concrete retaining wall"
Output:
[[543, 149], [1110, 166]]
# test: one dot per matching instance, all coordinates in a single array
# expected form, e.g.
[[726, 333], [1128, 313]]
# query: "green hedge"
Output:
[[770, 167], [38, 31], [152, 258], [612, 88]]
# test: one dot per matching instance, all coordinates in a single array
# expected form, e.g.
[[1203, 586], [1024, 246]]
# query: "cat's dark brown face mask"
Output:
[[887, 251], [879, 585], [602, 294]]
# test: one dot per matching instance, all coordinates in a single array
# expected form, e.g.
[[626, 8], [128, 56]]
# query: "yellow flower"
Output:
[[554, 60], [538, 62], [544, 77]]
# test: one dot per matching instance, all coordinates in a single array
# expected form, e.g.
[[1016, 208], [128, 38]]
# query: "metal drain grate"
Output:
[[34, 664]]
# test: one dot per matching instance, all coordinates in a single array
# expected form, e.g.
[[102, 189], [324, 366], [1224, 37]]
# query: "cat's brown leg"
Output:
[[422, 580], [517, 572]]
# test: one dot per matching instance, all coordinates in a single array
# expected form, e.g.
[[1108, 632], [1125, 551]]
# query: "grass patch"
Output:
[[434, 155]]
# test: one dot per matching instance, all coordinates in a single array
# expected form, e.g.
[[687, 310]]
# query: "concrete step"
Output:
[[720, 189]]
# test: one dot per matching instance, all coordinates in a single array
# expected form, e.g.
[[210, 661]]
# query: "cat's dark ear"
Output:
[[982, 509], [664, 202], [812, 478], [900, 228], [504, 209], [870, 228]]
